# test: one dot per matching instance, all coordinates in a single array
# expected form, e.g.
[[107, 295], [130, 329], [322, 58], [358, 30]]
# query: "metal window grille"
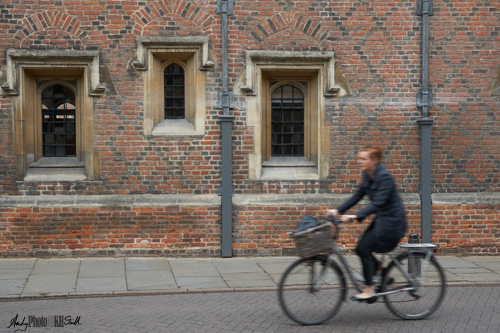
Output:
[[58, 122], [174, 92], [287, 122]]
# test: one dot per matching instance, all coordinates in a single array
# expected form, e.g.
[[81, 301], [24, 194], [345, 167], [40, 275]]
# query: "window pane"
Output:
[[70, 139], [174, 92], [48, 139], [58, 117], [59, 127], [60, 139], [287, 116], [179, 81], [288, 91], [48, 151], [169, 91], [179, 103], [179, 92], [70, 151], [47, 127], [60, 151]]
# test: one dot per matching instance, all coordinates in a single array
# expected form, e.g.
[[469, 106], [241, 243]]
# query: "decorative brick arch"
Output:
[[50, 19], [153, 12], [286, 20]]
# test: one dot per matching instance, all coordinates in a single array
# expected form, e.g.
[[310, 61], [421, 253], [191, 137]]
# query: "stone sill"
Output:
[[57, 162], [174, 127], [290, 173], [54, 174], [282, 161]]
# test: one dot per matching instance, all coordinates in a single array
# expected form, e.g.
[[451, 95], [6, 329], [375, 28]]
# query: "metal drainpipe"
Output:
[[424, 101], [226, 101]]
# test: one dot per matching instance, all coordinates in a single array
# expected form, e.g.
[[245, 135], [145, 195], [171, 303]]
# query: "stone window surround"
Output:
[[318, 69], [79, 70], [153, 55]]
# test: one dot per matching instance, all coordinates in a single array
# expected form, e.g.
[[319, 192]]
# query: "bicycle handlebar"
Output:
[[335, 220]]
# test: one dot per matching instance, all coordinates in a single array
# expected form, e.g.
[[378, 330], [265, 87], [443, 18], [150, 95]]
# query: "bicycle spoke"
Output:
[[426, 279], [311, 292]]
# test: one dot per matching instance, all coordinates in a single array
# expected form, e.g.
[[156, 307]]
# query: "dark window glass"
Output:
[[174, 92], [287, 128], [58, 122]]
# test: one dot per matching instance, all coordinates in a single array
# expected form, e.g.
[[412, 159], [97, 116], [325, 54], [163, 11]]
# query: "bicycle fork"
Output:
[[317, 281]]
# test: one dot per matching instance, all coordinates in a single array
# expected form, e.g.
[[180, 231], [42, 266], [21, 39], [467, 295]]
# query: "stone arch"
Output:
[[47, 20], [282, 21], [155, 11]]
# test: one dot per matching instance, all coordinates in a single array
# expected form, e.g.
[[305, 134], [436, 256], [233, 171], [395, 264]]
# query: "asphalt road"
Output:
[[465, 309]]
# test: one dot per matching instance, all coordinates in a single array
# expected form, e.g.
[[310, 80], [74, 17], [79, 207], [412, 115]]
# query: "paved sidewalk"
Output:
[[90, 276]]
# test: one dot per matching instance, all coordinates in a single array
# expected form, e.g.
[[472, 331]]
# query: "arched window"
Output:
[[174, 92], [58, 122], [287, 121]]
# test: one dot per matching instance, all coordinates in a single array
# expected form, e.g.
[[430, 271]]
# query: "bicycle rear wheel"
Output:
[[311, 292], [429, 291]]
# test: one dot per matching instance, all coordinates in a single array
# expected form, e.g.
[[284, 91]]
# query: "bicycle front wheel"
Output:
[[310, 291], [428, 293]]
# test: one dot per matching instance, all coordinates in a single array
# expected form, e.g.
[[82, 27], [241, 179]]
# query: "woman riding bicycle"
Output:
[[389, 225]]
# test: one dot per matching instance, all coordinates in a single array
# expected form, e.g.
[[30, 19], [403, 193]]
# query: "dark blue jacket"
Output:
[[390, 222]]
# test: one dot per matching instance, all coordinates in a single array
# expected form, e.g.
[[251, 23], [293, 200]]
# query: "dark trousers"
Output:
[[364, 250]]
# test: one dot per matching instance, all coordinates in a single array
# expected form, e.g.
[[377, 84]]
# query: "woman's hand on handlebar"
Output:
[[344, 218], [348, 218], [332, 213]]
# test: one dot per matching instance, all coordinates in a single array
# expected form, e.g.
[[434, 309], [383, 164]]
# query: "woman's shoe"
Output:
[[368, 300]]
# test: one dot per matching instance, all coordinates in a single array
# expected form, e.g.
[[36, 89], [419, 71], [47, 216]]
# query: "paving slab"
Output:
[[11, 287], [150, 280], [274, 268], [484, 277], [56, 266], [193, 268], [266, 260], [15, 274], [44, 284], [200, 282], [236, 266], [99, 284], [469, 270], [16, 263], [489, 262], [454, 262], [102, 268], [249, 280], [146, 264], [450, 277]]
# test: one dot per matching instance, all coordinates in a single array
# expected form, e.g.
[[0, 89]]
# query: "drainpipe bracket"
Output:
[[419, 188], [225, 7], [219, 191], [421, 100], [425, 121], [226, 99], [421, 10]]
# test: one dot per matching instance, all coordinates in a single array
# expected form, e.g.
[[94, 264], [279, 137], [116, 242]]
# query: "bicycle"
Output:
[[412, 285]]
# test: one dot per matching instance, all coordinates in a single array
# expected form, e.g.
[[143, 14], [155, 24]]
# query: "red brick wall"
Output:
[[109, 231], [377, 46]]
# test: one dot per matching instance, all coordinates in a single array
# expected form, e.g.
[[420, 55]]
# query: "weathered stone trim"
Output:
[[200, 43], [150, 200], [330, 200], [290, 59], [42, 59]]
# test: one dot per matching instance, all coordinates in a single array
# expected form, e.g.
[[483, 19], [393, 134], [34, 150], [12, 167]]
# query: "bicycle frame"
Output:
[[336, 250]]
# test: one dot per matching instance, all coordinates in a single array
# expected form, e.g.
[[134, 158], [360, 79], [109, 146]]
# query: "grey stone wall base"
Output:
[[145, 200]]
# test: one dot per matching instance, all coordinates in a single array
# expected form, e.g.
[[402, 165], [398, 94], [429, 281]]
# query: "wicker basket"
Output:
[[313, 241]]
